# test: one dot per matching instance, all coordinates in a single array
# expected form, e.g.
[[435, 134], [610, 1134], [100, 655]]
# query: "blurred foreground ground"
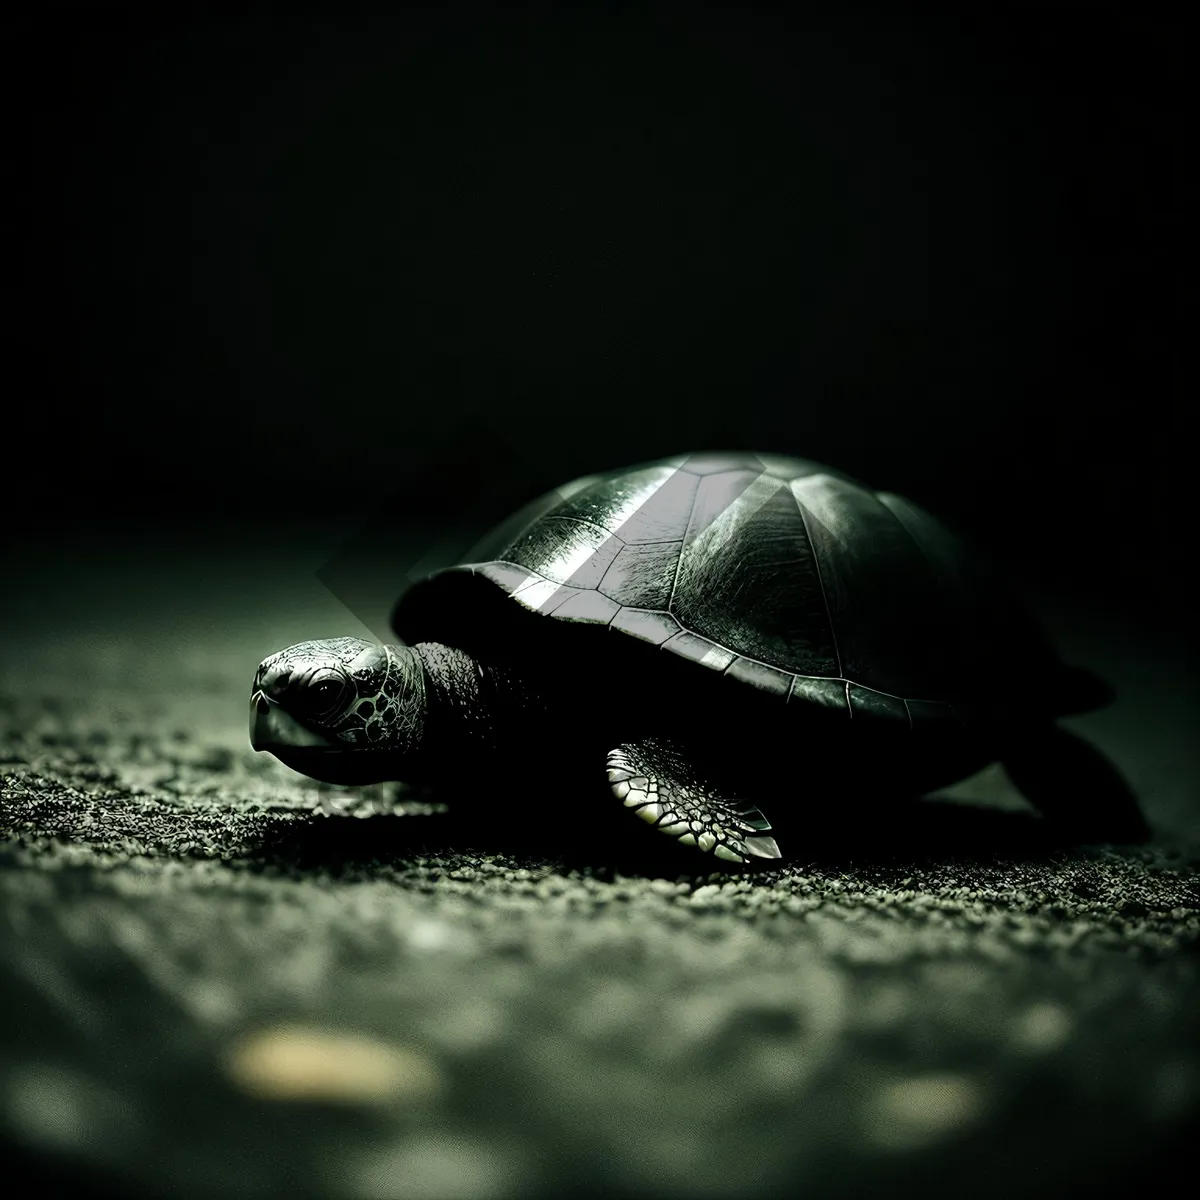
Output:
[[218, 978]]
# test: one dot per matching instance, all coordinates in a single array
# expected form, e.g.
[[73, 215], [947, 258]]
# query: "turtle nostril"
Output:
[[271, 681], [263, 706]]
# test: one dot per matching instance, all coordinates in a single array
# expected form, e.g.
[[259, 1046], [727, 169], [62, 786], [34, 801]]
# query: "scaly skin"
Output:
[[345, 710]]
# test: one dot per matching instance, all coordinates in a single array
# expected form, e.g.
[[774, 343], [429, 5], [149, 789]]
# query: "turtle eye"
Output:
[[324, 696]]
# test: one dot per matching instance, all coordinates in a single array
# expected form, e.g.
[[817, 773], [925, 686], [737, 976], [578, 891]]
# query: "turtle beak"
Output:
[[273, 727]]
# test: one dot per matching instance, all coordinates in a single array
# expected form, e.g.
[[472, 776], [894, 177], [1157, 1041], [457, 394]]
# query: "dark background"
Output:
[[276, 276], [277, 265]]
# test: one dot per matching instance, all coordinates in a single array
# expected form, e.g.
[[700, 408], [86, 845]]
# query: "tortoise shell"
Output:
[[786, 576]]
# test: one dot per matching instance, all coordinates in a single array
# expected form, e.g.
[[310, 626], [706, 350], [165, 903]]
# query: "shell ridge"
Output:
[[816, 557], [679, 559], [795, 675]]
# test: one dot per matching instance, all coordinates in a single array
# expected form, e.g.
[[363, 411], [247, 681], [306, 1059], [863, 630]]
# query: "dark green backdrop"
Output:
[[284, 260]]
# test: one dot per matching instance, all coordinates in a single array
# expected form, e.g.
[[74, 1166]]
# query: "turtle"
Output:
[[724, 645]]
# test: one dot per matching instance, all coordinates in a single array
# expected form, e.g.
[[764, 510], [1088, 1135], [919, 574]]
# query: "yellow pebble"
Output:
[[298, 1063]]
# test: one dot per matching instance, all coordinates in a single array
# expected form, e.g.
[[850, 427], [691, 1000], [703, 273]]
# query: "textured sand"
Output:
[[219, 978]]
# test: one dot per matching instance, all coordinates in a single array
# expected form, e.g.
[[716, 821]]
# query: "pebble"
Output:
[[295, 1063]]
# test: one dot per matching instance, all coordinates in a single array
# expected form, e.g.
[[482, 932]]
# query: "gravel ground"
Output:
[[219, 978]]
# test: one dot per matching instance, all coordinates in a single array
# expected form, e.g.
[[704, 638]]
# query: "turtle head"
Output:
[[341, 710]]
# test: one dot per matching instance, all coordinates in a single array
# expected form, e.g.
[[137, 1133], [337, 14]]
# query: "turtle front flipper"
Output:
[[656, 779]]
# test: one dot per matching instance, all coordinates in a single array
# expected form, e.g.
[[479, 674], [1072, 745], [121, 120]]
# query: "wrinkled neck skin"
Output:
[[482, 719]]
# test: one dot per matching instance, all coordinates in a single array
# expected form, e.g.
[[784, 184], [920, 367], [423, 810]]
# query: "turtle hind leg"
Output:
[[658, 780], [1072, 784], [1080, 690]]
